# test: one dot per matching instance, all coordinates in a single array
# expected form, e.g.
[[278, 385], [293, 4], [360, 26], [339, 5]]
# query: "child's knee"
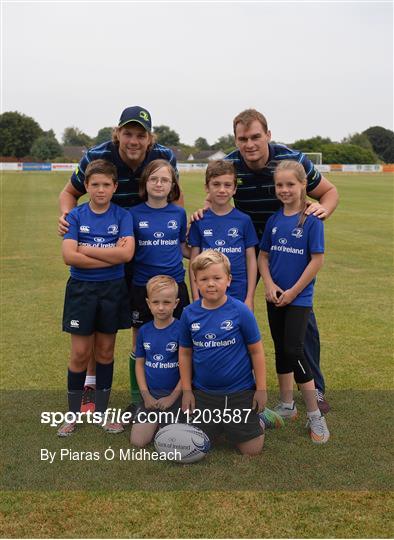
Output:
[[254, 447]]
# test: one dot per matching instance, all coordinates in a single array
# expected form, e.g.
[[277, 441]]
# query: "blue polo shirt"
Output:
[[219, 339], [126, 194], [255, 193], [231, 234], [290, 248], [159, 348], [98, 230], [158, 233]]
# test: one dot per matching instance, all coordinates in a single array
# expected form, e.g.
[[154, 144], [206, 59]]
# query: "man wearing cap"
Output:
[[132, 147]]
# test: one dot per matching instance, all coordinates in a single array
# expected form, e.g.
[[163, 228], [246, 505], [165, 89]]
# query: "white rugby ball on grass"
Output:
[[190, 441]]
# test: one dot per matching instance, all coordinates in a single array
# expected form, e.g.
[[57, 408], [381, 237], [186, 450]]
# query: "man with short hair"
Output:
[[132, 147], [255, 160]]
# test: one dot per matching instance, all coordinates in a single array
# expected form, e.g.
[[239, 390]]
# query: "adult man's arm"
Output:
[[68, 199], [327, 196]]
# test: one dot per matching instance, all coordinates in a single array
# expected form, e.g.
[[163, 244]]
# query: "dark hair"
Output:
[[218, 168], [152, 167], [101, 166]]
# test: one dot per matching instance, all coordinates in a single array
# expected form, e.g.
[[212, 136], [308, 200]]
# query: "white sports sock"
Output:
[[314, 414], [288, 405], [90, 380]]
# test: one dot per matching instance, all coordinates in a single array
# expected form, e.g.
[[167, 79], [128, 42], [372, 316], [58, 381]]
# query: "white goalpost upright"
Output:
[[315, 157]]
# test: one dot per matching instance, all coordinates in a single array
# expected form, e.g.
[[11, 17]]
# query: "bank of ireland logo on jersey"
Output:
[[195, 326], [113, 229], [172, 346], [172, 224], [227, 325], [282, 241], [158, 234], [297, 232], [99, 239], [220, 243], [210, 335], [233, 232], [158, 357], [84, 228]]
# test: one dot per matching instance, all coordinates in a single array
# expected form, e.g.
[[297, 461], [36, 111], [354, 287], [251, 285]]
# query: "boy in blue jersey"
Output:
[[98, 243], [132, 148], [157, 368], [221, 359], [226, 229]]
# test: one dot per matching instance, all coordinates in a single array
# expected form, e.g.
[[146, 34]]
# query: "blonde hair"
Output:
[[116, 130], [160, 282], [207, 258], [219, 168], [248, 116], [299, 173]]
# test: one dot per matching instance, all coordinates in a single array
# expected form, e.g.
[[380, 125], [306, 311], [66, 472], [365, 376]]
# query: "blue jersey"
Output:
[[219, 339], [158, 233], [98, 230], [290, 248], [255, 193], [231, 234], [159, 348], [126, 194]]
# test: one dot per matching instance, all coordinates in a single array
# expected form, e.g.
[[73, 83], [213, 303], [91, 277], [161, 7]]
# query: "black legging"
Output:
[[288, 326]]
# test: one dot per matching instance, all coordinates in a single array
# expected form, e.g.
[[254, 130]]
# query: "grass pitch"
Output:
[[293, 489]]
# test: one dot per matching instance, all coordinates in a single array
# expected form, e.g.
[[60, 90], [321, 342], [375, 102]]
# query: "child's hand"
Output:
[[165, 402], [259, 400], [149, 401], [286, 298], [249, 303], [121, 242], [188, 401], [272, 293]]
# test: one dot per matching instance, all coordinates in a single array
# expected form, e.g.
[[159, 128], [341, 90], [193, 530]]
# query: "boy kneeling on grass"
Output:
[[221, 359], [98, 243]]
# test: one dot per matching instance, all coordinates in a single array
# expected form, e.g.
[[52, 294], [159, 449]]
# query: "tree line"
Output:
[[22, 136]]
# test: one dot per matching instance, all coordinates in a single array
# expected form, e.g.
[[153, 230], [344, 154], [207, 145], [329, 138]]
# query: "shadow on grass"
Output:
[[357, 457]]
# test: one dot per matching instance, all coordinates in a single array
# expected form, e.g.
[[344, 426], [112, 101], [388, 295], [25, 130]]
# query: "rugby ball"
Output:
[[191, 443]]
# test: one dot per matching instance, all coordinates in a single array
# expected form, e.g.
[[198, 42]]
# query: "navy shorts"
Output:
[[96, 306], [140, 311], [231, 414]]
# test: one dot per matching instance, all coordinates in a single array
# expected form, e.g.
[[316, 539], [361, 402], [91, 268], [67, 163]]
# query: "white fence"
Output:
[[184, 167]]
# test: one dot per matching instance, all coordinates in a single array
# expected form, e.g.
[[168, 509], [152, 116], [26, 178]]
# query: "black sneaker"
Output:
[[88, 399], [323, 405]]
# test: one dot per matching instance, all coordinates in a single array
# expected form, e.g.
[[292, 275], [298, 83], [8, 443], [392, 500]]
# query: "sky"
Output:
[[313, 68]]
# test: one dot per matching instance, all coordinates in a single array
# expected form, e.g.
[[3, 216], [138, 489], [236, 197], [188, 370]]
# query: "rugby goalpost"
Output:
[[315, 157]]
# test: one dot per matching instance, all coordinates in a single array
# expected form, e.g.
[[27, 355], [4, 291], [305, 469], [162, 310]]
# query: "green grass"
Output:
[[293, 490]]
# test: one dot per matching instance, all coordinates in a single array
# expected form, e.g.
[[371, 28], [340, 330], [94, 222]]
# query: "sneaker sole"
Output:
[[317, 439], [65, 434]]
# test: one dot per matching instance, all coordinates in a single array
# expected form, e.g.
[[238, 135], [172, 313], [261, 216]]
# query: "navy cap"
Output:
[[136, 114]]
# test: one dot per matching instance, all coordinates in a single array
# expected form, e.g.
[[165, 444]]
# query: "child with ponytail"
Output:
[[291, 254]]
